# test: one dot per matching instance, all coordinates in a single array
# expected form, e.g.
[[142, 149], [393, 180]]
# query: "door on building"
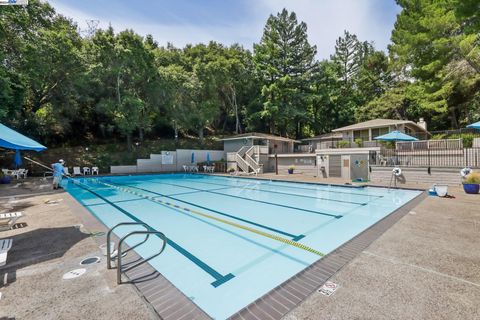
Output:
[[346, 167], [359, 167]]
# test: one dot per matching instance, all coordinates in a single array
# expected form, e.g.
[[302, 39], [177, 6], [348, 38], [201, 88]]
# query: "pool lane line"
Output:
[[336, 216], [293, 236], [219, 278], [190, 192], [259, 232], [279, 192], [279, 184], [120, 201]]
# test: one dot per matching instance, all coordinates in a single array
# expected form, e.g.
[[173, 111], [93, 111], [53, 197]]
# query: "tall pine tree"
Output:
[[285, 61]]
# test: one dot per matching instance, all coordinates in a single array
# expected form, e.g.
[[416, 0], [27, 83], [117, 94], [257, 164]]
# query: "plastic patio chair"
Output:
[[94, 171], [86, 170], [76, 171]]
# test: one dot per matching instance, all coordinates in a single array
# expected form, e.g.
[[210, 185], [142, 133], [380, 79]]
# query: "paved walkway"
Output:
[[427, 266], [48, 243]]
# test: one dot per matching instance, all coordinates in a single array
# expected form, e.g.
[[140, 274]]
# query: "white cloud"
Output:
[[326, 21]]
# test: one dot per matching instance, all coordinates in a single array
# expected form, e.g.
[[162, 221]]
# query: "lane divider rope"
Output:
[[237, 225]]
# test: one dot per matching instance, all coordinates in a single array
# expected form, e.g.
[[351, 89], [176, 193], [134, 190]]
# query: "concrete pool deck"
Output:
[[426, 266]]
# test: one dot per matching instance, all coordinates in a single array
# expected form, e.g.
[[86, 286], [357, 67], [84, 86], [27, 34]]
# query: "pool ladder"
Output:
[[148, 231]]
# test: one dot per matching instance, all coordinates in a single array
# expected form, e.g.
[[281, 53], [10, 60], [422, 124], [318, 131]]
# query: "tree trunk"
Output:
[[119, 100], [200, 135], [129, 141], [140, 134], [237, 118]]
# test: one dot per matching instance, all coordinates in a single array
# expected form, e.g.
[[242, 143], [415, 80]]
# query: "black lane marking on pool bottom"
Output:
[[219, 278], [278, 192], [336, 216], [293, 236], [190, 192], [279, 184], [120, 201]]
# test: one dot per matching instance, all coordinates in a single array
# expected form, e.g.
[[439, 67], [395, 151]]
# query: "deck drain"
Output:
[[90, 260], [74, 274], [328, 288]]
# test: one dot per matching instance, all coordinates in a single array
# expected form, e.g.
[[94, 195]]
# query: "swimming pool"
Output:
[[232, 240]]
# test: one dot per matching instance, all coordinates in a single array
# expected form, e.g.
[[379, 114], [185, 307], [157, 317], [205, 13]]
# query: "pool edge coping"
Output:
[[292, 292]]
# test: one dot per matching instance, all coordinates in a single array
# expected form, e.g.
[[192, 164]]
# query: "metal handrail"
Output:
[[109, 233], [119, 254]]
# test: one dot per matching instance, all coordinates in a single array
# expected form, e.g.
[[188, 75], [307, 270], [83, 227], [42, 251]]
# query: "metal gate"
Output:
[[334, 166]]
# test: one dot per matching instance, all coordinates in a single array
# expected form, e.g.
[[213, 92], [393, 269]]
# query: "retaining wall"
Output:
[[449, 176], [176, 160]]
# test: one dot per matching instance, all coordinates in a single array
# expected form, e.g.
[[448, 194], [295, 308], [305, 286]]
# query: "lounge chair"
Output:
[[76, 171], [95, 170], [8, 220], [5, 245]]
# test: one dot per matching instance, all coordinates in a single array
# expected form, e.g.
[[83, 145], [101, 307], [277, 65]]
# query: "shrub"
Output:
[[343, 144], [358, 142], [467, 138], [473, 178], [291, 167]]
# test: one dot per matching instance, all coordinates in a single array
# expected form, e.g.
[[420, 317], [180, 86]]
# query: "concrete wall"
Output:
[[156, 162], [303, 164], [184, 156], [450, 176]]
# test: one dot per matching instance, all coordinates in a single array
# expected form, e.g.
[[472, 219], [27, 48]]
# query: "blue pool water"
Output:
[[214, 254]]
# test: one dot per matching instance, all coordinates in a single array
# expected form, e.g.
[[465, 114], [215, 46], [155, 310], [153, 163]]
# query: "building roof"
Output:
[[325, 136], [257, 135], [379, 123]]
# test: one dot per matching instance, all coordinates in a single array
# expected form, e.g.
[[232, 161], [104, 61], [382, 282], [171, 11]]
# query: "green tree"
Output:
[[434, 42], [285, 62]]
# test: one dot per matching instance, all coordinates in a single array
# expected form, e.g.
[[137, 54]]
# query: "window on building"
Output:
[[379, 131], [361, 134]]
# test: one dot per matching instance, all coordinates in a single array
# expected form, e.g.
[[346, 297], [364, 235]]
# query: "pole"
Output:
[[276, 163], [40, 164]]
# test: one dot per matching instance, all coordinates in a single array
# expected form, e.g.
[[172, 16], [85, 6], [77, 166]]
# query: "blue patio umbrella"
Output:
[[475, 125], [208, 158], [395, 136], [193, 157], [11, 139], [17, 160]]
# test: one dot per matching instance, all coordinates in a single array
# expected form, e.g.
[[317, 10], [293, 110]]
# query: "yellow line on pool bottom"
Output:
[[262, 233]]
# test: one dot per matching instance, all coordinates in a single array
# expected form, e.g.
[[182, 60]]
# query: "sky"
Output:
[[181, 22]]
